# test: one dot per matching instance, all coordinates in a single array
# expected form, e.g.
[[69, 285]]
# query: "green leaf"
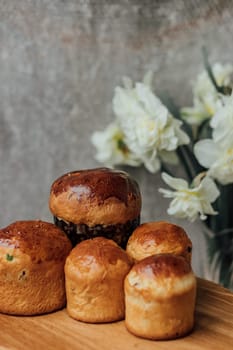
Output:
[[220, 252], [9, 257]]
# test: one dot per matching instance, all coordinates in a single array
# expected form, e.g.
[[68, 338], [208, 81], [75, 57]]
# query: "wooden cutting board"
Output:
[[213, 329]]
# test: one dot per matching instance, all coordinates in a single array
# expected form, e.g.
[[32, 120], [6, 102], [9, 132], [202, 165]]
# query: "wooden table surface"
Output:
[[213, 329]]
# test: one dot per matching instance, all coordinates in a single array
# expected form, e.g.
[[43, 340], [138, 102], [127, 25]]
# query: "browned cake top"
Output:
[[101, 183], [157, 232], [98, 251], [42, 241], [162, 265]]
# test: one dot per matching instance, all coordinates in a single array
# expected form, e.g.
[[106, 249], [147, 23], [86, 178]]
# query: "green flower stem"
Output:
[[185, 162], [165, 169], [197, 167], [189, 162], [204, 131], [225, 90], [224, 207]]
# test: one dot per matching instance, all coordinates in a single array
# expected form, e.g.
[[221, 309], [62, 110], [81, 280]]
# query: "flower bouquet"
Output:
[[152, 132]]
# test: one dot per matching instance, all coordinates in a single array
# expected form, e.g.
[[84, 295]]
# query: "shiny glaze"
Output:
[[38, 239], [98, 251], [155, 233], [163, 265], [101, 183]]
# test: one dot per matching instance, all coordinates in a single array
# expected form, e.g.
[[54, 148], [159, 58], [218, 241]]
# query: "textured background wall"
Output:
[[59, 64]]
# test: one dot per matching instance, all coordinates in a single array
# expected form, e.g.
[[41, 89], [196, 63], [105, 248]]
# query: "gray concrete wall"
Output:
[[59, 64]]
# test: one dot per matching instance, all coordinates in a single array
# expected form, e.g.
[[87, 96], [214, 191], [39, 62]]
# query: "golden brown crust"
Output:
[[95, 196], [101, 251], [159, 237], [40, 240], [160, 294], [32, 258], [95, 272], [163, 266]]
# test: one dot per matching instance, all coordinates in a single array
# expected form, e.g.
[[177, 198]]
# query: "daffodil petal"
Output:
[[210, 190], [148, 126], [150, 101], [173, 182], [166, 193], [206, 152]]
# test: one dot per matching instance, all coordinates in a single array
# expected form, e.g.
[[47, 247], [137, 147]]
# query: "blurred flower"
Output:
[[145, 132], [189, 202], [217, 158], [222, 123], [111, 149], [206, 99], [150, 131]]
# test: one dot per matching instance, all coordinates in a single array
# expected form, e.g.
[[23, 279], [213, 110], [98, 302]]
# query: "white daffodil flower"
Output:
[[190, 202], [111, 149], [217, 158], [222, 123], [206, 99], [149, 128]]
